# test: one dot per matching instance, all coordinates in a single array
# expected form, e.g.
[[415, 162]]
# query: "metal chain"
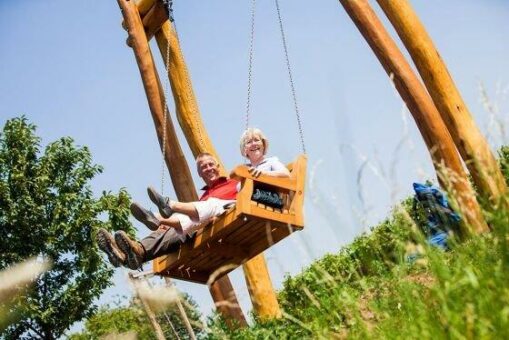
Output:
[[169, 9], [297, 113], [169, 4], [250, 68]]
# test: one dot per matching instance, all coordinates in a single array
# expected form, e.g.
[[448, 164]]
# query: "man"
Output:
[[177, 220]]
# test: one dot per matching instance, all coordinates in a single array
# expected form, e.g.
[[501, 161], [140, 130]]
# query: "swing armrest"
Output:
[[241, 173]]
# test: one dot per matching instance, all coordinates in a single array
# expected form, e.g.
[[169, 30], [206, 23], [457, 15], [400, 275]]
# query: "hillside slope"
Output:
[[372, 289]]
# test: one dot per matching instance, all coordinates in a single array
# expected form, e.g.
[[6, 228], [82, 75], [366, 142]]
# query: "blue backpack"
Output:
[[440, 217]]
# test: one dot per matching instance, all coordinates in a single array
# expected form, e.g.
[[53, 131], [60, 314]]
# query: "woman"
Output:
[[253, 146]]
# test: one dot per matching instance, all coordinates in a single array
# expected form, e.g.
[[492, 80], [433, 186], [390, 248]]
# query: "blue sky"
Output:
[[65, 65]]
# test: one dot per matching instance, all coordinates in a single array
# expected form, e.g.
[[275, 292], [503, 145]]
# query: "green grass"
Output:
[[370, 289]]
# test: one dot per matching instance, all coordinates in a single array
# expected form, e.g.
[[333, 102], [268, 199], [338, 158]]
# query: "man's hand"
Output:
[[255, 172]]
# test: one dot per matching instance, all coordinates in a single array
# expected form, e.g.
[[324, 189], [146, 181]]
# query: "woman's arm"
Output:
[[277, 169]]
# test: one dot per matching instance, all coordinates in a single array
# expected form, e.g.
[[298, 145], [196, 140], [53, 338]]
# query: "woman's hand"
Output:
[[255, 172]]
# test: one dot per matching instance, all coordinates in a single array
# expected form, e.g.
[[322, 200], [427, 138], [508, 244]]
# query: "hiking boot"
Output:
[[162, 203], [145, 216], [133, 249], [107, 244]]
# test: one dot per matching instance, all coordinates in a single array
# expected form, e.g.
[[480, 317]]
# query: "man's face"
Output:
[[208, 169]]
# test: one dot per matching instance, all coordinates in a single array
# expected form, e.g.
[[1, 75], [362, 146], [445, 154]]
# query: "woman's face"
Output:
[[253, 148]]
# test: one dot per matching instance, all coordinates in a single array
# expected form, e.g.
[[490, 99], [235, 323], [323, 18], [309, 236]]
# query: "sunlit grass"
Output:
[[371, 289]]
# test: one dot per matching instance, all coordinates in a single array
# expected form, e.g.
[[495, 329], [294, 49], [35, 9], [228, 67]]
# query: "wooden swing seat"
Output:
[[243, 231]]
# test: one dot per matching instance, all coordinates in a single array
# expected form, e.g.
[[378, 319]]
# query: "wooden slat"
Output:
[[230, 250], [221, 255], [238, 236], [274, 216], [254, 233], [210, 258], [246, 225], [242, 172], [199, 241], [196, 277], [187, 250], [278, 234]]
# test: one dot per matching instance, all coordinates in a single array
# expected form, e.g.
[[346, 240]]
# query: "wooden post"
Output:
[[226, 302], [260, 289], [153, 320], [188, 112], [182, 312], [150, 313], [471, 144], [197, 138], [175, 160], [445, 158]]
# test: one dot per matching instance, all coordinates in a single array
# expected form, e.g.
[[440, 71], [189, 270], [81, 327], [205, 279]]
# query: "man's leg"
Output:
[[186, 208], [153, 222], [210, 208], [160, 242], [107, 244], [135, 252], [206, 211], [167, 206]]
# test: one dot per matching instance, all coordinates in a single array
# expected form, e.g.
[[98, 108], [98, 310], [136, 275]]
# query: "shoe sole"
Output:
[[133, 260], [141, 216], [104, 243], [155, 197]]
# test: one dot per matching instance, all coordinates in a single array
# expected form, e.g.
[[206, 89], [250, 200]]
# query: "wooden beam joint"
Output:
[[154, 19]]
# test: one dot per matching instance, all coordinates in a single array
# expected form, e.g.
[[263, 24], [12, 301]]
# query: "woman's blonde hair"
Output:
[[249, 133]]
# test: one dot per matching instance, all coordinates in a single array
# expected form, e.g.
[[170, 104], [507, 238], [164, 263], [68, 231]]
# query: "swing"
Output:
[[248, 227], [243, 231]]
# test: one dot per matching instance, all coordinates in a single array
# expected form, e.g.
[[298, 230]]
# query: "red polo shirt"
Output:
[[224, 188]]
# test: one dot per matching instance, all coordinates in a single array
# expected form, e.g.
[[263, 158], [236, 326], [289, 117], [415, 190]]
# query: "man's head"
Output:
[[208, 168]]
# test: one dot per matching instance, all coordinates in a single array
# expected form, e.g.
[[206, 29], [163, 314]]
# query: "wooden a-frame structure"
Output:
[[437, 107]]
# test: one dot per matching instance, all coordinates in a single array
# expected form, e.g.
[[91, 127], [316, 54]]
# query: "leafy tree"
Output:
[[47, 209], [131, 318], [116, 320]]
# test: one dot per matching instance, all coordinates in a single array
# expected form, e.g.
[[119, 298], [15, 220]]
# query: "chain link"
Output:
[[292, 85], [250, 68]]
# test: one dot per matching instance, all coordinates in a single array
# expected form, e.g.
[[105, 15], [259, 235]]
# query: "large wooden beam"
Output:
[[197, 137], [174, 157], [226, 302], [441, 147], [188, 112], [471, 144], [260, 288], [175, 160]]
